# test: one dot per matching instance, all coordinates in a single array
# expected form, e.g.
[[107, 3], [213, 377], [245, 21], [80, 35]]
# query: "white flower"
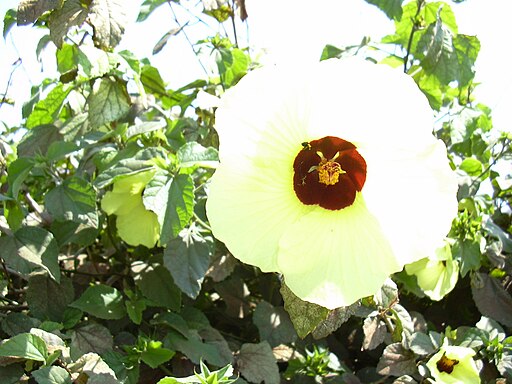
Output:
[[454, 365], [330, 175]]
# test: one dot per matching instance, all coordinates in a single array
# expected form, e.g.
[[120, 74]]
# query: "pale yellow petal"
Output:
[[139, 227], [334, 258], [119, 203]]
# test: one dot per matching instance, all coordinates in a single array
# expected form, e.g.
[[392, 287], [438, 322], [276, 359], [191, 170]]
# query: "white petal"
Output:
[[334, 258]]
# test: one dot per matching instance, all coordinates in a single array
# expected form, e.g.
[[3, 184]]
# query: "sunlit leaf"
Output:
[[109, 19], [101, 301]]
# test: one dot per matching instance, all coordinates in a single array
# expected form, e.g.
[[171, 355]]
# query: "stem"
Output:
[[413, 31], [232, 16]]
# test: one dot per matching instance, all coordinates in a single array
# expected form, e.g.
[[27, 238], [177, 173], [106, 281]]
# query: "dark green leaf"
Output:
[[334, 320], [187, 258], [71, 14], [156, 283], [194, 154], [30, 249], [11, 374], [52, 375], [25, 346], [108, 101], [108, 17], [90, 338], [73, 200], [38, 140], [491, 298], [15, 323], [273, 324], [397, 361], [30, 10], [135, 309], [46, 111], [257, 363], [102, 301], [305, 316], [71, 232], [18, 171], [9, 20], [392, 8], [47, 299]]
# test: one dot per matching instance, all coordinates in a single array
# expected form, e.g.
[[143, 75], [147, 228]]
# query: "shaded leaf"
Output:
[[18, 171], [97, 371], [47, 299], [15, 323], [155, 355], [235, 293], [396, 361], [157, 284], [102, 301], [334, 320], [11, 374], [165, 38], [73, 200], [9, 21], [52, 375], [491, 298], [108, 17], [305, 316], [108, 101], [374, 332], [30, 249], [257, 363], [273, 324], [71, 14], [90, 338], [421, 344], [187, 258], [38, 140], [26, 346], [30, 10]]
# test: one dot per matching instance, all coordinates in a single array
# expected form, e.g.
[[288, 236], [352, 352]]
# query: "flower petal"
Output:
[[334, 258], [249, 207], [119, 203], [139, 227]]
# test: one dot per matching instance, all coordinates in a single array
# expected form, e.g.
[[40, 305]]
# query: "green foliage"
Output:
[[79, 304]]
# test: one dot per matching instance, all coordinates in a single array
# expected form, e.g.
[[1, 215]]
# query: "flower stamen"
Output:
[[329, 171], [445, 364]]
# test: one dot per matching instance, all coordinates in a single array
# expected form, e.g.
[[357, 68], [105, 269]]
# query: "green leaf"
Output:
[[187, 258], [102, 301], [273, 324], [257, 363], [15, 323], [108, 101], [220, 13], [135, 308], [330, 51], [90, 338], [421, 344], [392, 8], [17, 173], [156, 283], [232, 64], [172, 199], [471, 166], [29, 249], [108, 18], [163, 40], [305, 316], [9, 20], [71, 14], [193, 154], [38, 140], [491, 298], [25, 346], [468, 252], [46, 111], [30, 10], [47, 299], [155, 355], [147, 7], [52, 375], [73, 200], [466, 48], [152, 81]]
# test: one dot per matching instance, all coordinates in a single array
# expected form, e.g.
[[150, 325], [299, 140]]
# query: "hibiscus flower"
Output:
[[454, 365]]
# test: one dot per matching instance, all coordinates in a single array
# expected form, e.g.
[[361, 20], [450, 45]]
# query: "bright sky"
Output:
[[289, 29]]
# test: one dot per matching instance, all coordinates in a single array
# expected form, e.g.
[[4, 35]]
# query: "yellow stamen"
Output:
[[328, 170]]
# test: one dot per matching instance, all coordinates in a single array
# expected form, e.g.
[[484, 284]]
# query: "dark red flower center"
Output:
[[445, 364], [328, 172]]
